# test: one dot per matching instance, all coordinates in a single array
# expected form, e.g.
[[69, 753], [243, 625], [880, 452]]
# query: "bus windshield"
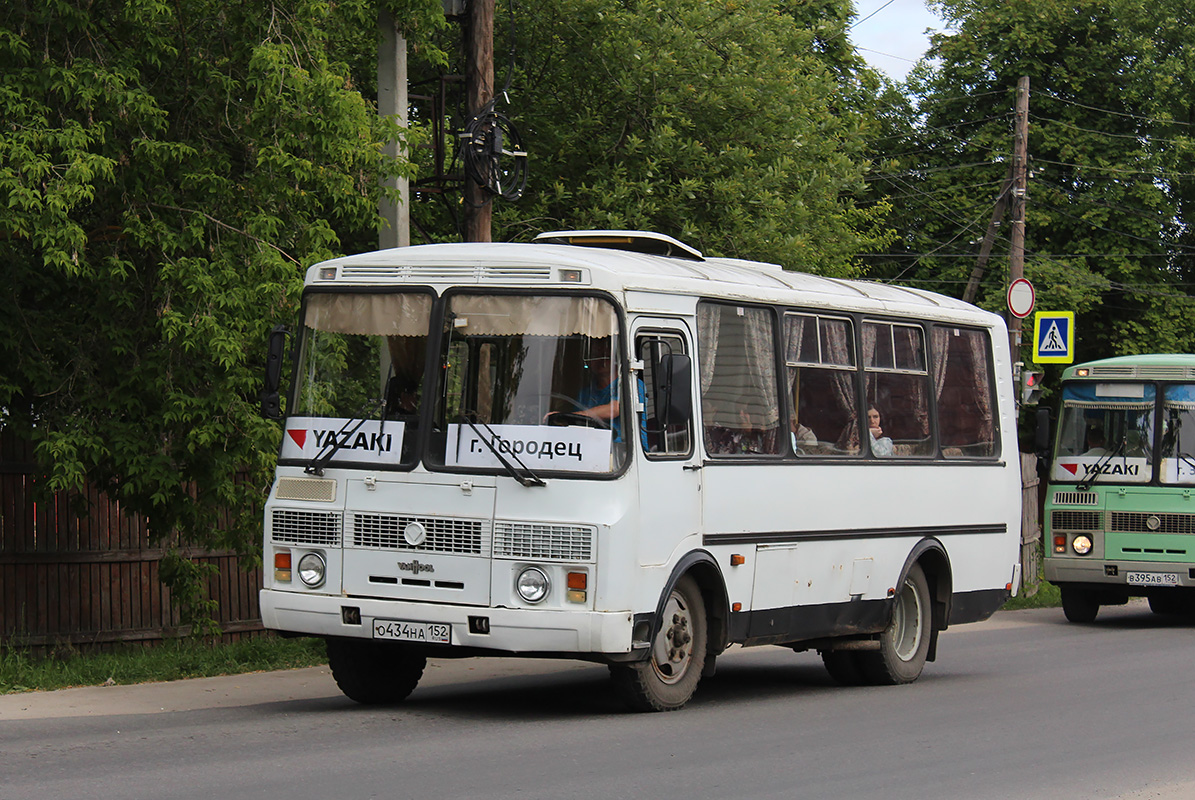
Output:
[[1106, 433], [360, 378], [529, 384], [1178, 434]]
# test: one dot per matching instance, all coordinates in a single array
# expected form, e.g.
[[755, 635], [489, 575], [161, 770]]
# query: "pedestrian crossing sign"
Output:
[[1054, 337]]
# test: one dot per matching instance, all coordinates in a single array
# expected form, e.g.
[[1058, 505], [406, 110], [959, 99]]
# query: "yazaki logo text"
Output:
[[370, 441], [1087, 469]]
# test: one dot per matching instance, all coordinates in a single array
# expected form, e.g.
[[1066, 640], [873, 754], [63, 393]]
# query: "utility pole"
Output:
[[392, 102], [1020, 185], [479, 90]]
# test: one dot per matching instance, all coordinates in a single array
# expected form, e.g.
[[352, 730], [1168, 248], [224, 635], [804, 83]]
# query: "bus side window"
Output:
[[963, 386], [664, 431]]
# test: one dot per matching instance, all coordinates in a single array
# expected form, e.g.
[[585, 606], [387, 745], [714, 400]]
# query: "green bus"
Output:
[[1120, 501]]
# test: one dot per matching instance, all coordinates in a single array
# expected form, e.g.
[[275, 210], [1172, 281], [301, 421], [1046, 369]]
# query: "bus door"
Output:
[[669, 467]]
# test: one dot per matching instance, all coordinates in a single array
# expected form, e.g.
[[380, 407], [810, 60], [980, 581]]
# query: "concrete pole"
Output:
[[392, 102]]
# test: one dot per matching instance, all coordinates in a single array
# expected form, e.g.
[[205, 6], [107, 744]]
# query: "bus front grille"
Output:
[[1152, 523], [543, 541], [1076, 498], [307, 527], [438, 535], [1077, 520]]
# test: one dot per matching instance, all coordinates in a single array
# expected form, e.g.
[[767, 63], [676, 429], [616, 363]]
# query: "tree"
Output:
[[168, 170], [1110, 158], [734, 126]]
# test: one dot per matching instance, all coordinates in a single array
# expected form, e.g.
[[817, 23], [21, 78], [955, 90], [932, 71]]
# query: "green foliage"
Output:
[[167, 170], [1111, 163], [736, 126]]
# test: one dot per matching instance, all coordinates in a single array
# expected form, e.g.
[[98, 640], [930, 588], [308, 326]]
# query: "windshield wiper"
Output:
[[1085, 484], [526, 477], [332, 444]]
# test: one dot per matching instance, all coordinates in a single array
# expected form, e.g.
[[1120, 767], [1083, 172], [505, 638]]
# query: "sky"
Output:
[[890, 34]]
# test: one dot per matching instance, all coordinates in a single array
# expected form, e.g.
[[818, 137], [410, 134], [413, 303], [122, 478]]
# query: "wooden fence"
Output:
[[77, 569], [1031, 544]]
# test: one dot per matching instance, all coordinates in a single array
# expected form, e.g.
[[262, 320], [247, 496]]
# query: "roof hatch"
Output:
[[654, 244]]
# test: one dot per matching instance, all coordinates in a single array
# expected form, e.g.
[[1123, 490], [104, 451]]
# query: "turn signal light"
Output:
[[282, 566], [737, 560], [577, 582], [1059, 544]]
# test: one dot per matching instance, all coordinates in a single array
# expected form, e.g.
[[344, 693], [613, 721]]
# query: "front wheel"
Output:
[[1079, 605], [904, 644], [667, 680], [374, 673]]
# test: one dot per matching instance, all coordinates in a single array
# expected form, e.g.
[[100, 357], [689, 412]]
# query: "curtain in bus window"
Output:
[[820, 356], [709, 319], [962, 388], [522, 315], [738, 378], [369, 314]]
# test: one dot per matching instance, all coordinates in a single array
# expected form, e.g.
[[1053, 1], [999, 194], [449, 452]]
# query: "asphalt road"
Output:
[[1022, 706]]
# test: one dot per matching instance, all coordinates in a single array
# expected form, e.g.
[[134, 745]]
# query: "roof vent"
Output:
[[653, 244]]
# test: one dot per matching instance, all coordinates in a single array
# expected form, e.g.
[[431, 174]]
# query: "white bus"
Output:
[[602, 445]]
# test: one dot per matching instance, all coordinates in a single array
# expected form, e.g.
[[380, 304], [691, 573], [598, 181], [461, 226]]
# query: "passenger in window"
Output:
[[881, 445], [802, 437], [1096, 443], [748, 438]]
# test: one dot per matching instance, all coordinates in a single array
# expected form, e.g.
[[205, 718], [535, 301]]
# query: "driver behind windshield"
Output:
[[598, 398]]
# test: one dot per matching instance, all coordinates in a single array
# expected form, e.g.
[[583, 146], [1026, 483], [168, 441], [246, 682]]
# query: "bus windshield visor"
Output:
[[1178, 434], [1106, 433], [359, 385], [530, 384]]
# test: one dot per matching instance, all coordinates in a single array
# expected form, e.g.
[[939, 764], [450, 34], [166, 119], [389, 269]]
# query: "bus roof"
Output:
[[1149, 366], [622, 271]]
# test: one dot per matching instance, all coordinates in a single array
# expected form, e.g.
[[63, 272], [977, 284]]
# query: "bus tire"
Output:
[[1079, 605], [1169, 602], [373, 673], [904, 644], [844, 667], [668, 678]]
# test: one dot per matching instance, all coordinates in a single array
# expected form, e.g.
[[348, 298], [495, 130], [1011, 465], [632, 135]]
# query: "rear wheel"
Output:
[[904, 644], [1079, 605], [844, 667], [666, 680], [374, 673]]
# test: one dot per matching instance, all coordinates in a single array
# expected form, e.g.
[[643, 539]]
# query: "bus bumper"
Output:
[[510, 630], [1162, 574]]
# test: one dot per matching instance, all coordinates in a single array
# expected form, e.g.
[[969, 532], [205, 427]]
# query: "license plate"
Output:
[[398, 630], [1152, 579]]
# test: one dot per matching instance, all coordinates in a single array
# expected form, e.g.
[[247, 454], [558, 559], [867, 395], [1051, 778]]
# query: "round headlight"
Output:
[[532, 584], [1081, 545], [312, 569]]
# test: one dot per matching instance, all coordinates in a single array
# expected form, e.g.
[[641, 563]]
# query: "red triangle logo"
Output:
[[299, 437], [1073, 469]]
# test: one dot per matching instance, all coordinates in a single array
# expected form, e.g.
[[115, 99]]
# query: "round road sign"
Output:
[[1021, 298]]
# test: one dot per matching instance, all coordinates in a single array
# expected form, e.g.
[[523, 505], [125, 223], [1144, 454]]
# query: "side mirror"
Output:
[[674, 389], [271, 406]]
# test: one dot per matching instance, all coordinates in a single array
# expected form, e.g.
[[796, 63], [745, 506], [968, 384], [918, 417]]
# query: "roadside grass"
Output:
[[1047, 596], [20, 671]]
